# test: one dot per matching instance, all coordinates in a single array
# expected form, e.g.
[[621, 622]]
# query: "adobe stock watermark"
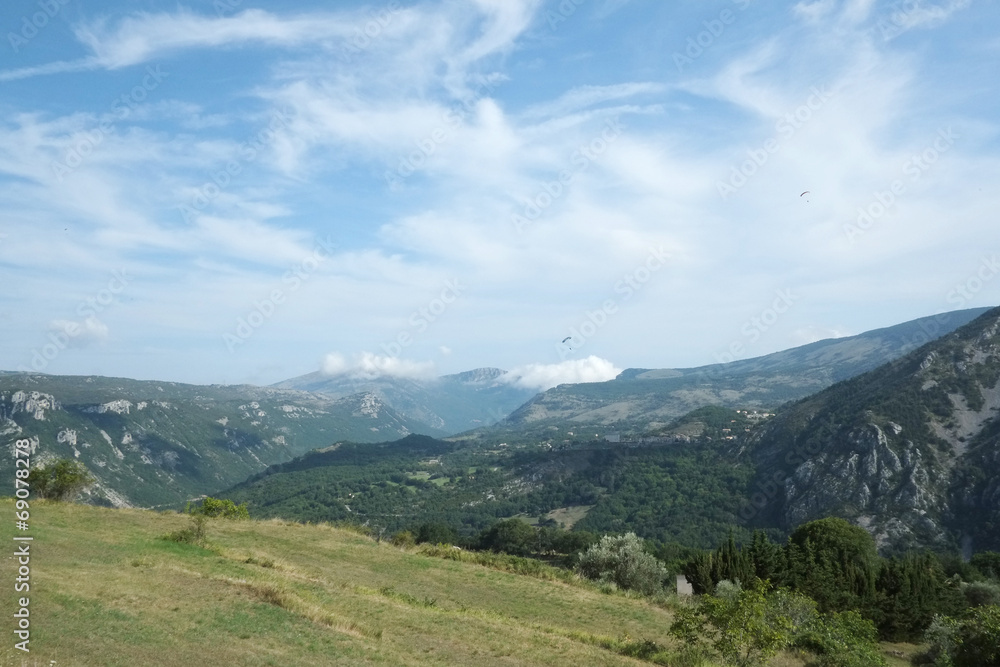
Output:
[[32, 24], [966, 290], [67, 332], [422, 318], [714, 28], [595, 320], [120, 109], [427, 146], [264, 309], [581, 159], [564, 10], [914, 167], [757, 326], [775, 483], [901, 16], [785, 128], [364, 35], [248, 152]]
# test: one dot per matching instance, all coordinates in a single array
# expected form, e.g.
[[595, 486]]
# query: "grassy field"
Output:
[[106, 590]]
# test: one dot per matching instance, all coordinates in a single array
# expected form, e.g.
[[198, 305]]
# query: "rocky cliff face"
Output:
[[151, 443], [910, 450]]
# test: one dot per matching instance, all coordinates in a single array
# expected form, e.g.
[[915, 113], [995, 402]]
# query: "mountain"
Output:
[[643, 400], [159, 443], [450, 403], [910, 451]]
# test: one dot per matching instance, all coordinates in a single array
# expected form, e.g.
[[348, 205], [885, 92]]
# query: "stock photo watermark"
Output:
[[22, 543], [698, 44], [563, 11], [428, 145], [755, 327], [914, 167], [785, 128], [247, 153], [595, 320], [120, 109], [422, 318], [264, 309], [66, 333], [581, 159], [31, 24], [365, 35]]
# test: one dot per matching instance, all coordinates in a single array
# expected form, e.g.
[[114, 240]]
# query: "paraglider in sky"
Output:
[[804, 194]]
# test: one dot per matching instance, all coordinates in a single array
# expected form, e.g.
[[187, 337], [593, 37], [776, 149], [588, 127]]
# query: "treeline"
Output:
[[837, 565]]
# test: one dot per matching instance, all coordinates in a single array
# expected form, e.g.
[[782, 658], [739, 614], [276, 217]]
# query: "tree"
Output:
[[436, 533], [623, 561], [511, 536], [834, 563], [61, 480], [987, 563]]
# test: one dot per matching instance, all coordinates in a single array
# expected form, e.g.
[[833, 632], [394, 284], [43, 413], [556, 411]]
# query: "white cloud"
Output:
[[573, 371], [370, 366], [79, 334]]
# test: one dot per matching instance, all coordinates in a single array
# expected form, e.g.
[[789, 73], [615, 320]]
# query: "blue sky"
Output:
[[248, 191]]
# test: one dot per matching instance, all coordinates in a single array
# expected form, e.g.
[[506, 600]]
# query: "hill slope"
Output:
[[642, 400], [155, 443], [109, 592], [910, 450]]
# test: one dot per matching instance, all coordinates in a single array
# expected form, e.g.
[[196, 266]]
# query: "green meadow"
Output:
[[107, 589]]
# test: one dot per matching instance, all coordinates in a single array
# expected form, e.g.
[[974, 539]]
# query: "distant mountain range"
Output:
[[449, 404], [909, 450], [160, 443], [643, 401], [155, 443]]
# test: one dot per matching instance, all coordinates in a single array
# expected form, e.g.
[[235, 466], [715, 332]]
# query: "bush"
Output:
[[193, 534], [843, 639], [61, 480], [225, 509], [978, 638], [747, 627], [404, 539], [623, 561], [972, 641], [981, 594]]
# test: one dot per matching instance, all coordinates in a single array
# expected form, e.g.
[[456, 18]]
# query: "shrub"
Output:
[[972, 641], [623, 561], [193, 534], [404, 539], [225, 509], [843, 639], [60, 480], [978, 638], [747, 627], [981, 594]]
